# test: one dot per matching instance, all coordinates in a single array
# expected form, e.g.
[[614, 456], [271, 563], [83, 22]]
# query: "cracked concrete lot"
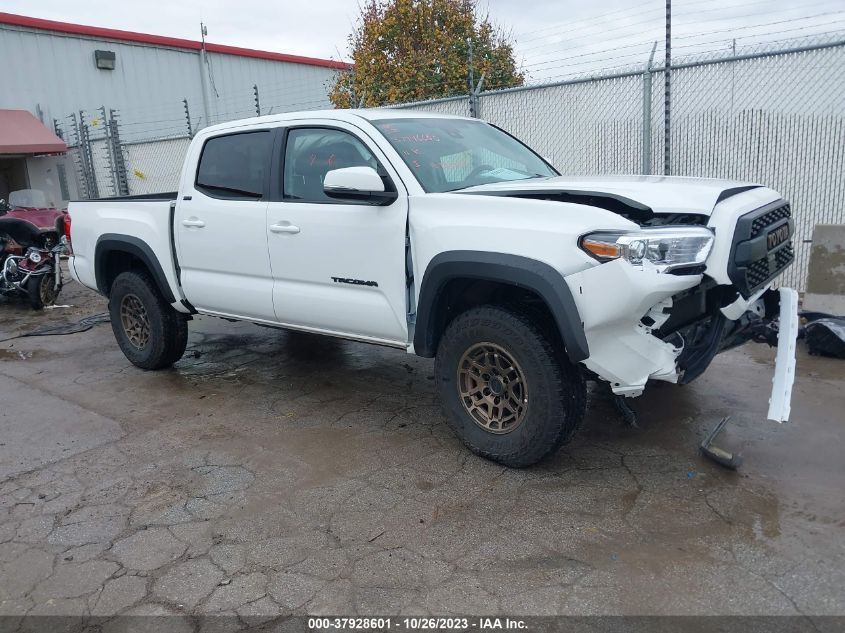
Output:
[[272, 473]]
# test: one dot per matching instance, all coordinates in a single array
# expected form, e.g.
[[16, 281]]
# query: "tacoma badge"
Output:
[[354, 282]]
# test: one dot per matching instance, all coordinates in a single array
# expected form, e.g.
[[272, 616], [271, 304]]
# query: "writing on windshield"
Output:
[[450, 154]]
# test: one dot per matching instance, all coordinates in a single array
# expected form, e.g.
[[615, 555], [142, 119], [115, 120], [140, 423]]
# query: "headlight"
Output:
[[34, 257], [666, 248]]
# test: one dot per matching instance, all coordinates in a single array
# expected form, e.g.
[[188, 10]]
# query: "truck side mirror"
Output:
[[357, 184]]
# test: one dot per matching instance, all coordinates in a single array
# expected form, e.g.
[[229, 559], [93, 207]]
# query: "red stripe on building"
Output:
[[160, 40]]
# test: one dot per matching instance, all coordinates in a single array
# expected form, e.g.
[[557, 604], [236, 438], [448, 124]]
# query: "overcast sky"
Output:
[[554, 38]]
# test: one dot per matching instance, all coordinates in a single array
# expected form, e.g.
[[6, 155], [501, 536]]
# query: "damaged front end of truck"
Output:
[[667, 298]]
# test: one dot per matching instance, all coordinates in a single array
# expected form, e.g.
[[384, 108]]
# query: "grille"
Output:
[[768, 267], [757, 273], [784, 257], [750, 236], [770, 218]]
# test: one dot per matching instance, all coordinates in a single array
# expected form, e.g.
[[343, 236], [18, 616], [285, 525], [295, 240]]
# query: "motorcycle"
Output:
[[30, 257]]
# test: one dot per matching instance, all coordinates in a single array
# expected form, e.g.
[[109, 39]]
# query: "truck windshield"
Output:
[[452, 154]]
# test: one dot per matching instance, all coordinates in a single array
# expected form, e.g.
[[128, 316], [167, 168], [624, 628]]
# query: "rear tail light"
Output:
[[67, 233]]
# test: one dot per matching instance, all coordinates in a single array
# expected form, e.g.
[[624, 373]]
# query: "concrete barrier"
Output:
[[826, 272]]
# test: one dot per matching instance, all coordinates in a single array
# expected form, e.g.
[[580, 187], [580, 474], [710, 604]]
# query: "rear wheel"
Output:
[[151, 334], [505, 390], [42, 291]]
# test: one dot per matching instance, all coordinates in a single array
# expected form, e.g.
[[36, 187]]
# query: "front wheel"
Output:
[[505, 390], [42, 291], [151, 334]]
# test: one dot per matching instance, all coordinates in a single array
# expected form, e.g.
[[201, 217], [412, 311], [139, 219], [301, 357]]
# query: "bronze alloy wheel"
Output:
[[493, 388], [136, 324]]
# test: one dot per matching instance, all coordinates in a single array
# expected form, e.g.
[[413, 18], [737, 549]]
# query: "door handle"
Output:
[[193, 222], [284, 228]]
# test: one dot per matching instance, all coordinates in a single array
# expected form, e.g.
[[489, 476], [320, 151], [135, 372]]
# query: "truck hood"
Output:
[[638, 194]]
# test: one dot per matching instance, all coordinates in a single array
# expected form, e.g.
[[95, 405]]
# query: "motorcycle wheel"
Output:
[[42, 291]]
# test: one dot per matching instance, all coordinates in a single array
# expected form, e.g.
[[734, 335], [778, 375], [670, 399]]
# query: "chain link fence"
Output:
[[773, 114], [769, 115], [586, 127]]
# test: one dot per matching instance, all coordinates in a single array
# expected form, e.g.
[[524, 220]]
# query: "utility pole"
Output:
[[667, 95]]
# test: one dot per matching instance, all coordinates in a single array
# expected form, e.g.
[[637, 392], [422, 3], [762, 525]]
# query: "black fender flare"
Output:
[[114, 242], [523, 272]]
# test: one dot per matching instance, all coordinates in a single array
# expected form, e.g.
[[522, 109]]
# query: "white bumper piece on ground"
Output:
[[779, 402]]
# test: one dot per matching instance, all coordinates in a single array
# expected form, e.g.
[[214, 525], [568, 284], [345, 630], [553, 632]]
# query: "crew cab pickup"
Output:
[[450, 239]]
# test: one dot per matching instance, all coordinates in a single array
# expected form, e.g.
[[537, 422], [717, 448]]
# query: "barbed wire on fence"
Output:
[[584, 35]]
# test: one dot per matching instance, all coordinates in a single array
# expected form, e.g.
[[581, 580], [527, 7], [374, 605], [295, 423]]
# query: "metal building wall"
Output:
[[55, 72]]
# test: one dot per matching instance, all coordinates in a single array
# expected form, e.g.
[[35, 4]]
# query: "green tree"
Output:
[[408, 50]]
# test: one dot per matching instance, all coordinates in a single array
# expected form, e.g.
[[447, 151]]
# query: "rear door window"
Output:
[[235, 166]]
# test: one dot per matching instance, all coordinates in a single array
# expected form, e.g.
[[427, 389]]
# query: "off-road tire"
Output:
[[556, 391], [39, 292], [167, 334]]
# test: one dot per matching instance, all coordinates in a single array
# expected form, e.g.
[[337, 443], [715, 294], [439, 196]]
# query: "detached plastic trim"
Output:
[[782, 381]]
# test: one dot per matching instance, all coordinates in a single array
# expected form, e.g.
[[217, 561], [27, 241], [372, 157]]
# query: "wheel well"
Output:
[[114, 262], [116, 254], [461, 294], [457, 280]]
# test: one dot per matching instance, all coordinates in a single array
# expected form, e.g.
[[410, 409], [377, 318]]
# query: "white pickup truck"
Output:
[[448, 238]]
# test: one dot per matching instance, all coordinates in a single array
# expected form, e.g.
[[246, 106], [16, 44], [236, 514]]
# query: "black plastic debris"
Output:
[[824, 334]]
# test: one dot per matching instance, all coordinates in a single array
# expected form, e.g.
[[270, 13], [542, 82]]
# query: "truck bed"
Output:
[[143, 222]]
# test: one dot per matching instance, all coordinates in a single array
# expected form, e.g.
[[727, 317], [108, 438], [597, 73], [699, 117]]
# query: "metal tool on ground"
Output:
[[720, 455]]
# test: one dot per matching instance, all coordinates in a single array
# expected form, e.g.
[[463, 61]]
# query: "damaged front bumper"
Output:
[[613, 299], [623, 309]]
